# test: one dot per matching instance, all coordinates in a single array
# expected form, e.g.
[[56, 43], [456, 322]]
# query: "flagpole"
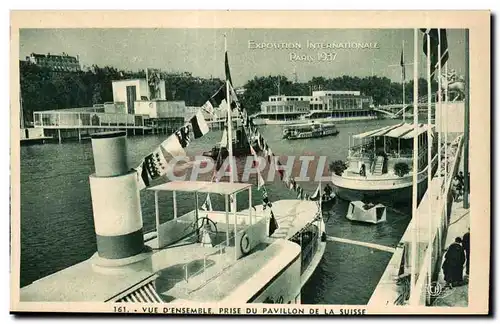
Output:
[[403, 78], [446, 139], [429, 151], [415, 162], [229, 133], [440, 130], [466, 124]]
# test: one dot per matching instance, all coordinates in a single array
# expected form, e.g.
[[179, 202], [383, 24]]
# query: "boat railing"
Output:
[[354, 176]]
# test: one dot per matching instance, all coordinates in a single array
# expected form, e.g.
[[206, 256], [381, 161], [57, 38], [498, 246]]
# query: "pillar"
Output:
[[115, 202], [59, 135]]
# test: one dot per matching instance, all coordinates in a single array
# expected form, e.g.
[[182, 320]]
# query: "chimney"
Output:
[[116, 206]]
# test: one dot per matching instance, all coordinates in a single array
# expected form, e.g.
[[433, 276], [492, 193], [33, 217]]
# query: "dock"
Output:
[[432, 225]]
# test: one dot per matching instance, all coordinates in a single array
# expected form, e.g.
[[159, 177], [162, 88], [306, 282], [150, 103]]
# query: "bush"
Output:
[[401, 169], [338, 167]]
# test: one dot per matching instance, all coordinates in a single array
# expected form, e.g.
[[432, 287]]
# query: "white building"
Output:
[[127, 92]]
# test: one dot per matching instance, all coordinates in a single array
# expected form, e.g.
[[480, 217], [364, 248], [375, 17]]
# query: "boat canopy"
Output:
[[403, 130], [223, 188]]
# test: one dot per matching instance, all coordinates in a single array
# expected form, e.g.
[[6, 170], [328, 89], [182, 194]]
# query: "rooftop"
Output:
[[223, 188]]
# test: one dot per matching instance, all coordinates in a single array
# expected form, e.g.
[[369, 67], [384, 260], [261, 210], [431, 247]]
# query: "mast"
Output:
[[229, 132], [403, 78], [429, 149], [413, 255], [466, 124], [21, 110], [439, 110]]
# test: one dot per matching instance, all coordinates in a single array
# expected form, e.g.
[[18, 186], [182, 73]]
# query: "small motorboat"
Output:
[[366, 212]]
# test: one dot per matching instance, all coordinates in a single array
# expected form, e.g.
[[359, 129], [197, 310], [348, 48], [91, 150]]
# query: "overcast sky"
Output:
[[201, 51]]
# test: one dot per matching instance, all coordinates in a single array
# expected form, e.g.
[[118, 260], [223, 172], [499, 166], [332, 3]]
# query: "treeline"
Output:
[[43, 89]]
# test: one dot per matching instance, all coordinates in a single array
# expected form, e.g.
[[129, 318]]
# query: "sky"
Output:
[[201, 51]]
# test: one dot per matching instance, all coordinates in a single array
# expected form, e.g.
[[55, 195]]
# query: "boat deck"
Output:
[[80, 283]]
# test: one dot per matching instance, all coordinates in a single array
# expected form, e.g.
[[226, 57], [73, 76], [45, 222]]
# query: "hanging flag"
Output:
[[435, 37], [403, 72], [300, 191], [155, 164], [273, 224], [200, 126], [306, 197], [255, 158], [317, 194], [183, 136], [228, 72], [260, 181], [173, 146], [142, 176], [223, 141], [207, 106], [265, 201], [207, 205]]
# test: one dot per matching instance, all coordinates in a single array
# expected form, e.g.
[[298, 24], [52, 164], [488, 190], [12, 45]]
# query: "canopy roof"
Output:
[[223, 188], [402, 130]]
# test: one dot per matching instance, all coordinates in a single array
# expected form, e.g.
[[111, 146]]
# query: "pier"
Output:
[[81, 123], [433, 225]]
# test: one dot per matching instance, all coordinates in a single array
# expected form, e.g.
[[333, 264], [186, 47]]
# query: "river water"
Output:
[[57, 228]]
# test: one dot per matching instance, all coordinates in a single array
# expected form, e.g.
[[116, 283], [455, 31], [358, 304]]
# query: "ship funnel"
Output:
[[115, 203]]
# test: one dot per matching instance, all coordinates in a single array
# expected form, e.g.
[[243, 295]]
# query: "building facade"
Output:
[[63, 62], [328, 104]]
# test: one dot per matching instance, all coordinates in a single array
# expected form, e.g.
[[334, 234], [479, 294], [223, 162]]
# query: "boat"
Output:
[[309, 130], [366, 212], [242, 261], [380, 165]]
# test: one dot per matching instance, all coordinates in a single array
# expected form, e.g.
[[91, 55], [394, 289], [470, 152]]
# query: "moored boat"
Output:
[[309, 130], [381, 166]]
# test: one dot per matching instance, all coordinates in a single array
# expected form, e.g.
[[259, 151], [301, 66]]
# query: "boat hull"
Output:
[[390, 191], [311, 136]]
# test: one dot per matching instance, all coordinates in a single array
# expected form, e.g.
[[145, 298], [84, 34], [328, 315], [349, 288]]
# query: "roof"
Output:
[[402, 130], [223, 188]]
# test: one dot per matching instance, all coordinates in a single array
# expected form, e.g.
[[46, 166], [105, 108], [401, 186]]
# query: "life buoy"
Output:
[[245, 244]]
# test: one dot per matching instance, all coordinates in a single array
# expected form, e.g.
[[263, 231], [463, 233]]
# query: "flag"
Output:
[[403, 72], [265, 201], [200, 126], [255, 158], [228, 72], [183, 136], [155, 164], [207, 106], [435, 37], [173, 146], [207, 205], [273, 224], [142, 176], [260, 181], [223, 141], [300, 191], [317, 194]]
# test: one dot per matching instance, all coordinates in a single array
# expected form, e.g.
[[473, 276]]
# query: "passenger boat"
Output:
[[381, 165], [309, 130]]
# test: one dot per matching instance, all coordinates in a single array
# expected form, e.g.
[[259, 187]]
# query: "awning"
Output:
[[145, 294], [400, 131], [421, 129], [377, 132]]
